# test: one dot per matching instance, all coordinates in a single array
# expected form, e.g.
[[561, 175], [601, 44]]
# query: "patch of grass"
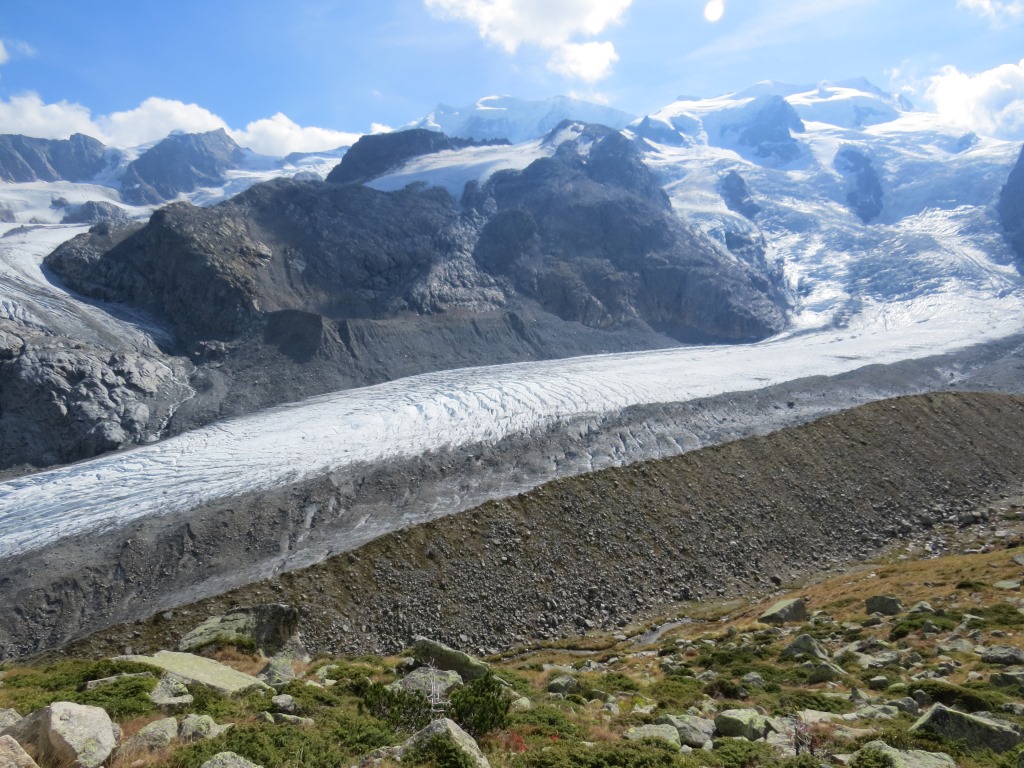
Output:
[[914, 623], [545, 721], [31, 689], [789, 701], [338, 741], [648, 753], [977, 698], [1000, 616], [220, 706]]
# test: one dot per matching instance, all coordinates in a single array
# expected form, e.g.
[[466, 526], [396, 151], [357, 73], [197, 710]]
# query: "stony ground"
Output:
[[601, 551]]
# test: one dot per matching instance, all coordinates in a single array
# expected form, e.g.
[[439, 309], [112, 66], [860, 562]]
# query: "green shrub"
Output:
[[737, 753], [915, 622], [438, 752], [338, 741], [872, 758], [648, 753], [1000, 615], [481, 706], [546, 721], [980, 699], [676, 693], [405, 711]]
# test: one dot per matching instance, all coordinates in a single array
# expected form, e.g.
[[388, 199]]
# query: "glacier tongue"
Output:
[[422, 413]]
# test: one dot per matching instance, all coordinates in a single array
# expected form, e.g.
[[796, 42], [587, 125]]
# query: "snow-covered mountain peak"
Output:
[[518, 120]]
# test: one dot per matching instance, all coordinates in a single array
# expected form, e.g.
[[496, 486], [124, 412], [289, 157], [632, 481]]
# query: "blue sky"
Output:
[[298, 74]]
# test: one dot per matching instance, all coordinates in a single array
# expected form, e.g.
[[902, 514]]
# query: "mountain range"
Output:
[[713, 246]]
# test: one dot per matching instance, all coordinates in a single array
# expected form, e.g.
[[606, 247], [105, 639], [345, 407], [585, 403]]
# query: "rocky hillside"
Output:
[[599, 549], [23, 158], [912, 660]]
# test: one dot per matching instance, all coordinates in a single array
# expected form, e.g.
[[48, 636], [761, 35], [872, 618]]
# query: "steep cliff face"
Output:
[[24, 159], [180, 163], [293, 288], [587, 234], [1011, 206]]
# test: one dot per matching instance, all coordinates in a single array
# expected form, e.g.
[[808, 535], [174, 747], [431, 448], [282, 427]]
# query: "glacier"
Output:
[[931, 275]]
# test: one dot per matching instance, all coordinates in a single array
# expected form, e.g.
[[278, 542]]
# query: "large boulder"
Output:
[[13, 756], [433, 653], [270, 629], [746, 724], [442, 728], [8, 717], [67, 734], [1006, 655], [229, 760], [196, 669], [914, 758], [975, 731], [805, 645], [887, 605], [664, 733], [151, 738], [199, 727], [693, 731], [785, 612], [430, 681]]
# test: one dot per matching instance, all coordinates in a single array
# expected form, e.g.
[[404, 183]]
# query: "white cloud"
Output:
[[548, 24], [589, 62], [4, 55], [15, 48], [27, 114], [990, 103], [279, 135], [998, 11], [154, 118]]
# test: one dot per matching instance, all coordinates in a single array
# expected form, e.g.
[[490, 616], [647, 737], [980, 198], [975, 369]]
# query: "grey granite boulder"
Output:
[[67, 734], [693, 731], [12, 755], [887, 605], [229, 760], [975, 731], [664, 733], [785, 612], [746, 724], [427, 651]]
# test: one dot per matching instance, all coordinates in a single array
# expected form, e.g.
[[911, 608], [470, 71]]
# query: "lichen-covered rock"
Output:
[[975, 731], [197, 669], [913, 758], [785, 612], [229, 760], [8, 717], [67, 734], [199, 727], [430, 681], [805, 645], [171, 694], [746, 724], [693, 731], [450, 730], [666, 733], [152, 737], [887, 605], [270, 628], [439, 655], [13, 756]]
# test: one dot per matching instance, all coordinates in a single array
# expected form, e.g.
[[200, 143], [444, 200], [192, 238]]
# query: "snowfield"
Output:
[[931, 275]]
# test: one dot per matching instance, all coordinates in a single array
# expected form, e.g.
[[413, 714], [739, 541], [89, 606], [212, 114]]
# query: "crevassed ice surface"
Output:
[[931, 275]]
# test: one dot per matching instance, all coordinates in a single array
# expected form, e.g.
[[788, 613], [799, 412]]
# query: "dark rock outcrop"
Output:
[[1011, 206], [766, 126], [180, 163], [24, 159], [736, 195], [96, 212], [60, 401], [576, 254], [376, 154], [865, 194]]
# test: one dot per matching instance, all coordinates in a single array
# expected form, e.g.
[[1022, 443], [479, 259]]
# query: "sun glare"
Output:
[[714, 10]]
